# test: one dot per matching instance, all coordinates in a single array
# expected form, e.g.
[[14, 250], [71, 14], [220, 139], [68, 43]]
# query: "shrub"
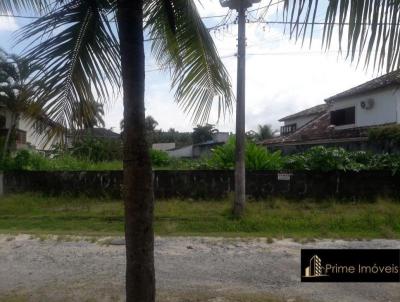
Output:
[[97, 150], [159, 158], [385, 135], [320, 158], [257, 157]]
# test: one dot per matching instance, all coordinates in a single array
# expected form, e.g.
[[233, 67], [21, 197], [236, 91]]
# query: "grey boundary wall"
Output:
[[210, 184]]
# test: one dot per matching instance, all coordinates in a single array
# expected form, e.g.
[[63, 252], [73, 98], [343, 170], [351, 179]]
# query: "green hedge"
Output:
[[223, 157]]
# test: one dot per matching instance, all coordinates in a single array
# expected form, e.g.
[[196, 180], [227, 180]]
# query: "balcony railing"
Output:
[[288, 129]]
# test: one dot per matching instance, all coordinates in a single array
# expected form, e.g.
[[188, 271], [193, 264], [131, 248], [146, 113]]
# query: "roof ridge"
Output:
[[372, 84]]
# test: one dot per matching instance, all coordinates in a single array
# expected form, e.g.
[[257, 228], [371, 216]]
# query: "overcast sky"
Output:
[[282, 77]]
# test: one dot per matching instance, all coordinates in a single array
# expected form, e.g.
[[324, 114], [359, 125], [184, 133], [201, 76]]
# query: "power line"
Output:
[[36, 17]]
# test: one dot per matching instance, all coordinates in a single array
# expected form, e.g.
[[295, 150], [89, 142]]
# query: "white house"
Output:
[[26, 136], [376, 102], [295, 121], [345, 118]]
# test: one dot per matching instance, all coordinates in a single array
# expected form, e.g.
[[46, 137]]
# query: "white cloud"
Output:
[[8, 24]]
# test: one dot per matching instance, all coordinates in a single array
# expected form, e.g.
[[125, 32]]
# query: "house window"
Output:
[[346, 116], [288, 129]]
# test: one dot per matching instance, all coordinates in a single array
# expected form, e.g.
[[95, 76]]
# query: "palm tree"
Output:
[[89, 115], [84, 53], [264, 132], [16, 91]]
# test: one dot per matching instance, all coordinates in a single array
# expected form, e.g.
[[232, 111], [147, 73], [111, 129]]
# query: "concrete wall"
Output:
[[384, 111], [210, 184]]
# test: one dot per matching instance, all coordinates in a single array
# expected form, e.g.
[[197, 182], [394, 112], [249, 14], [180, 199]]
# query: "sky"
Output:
[[282, 77]]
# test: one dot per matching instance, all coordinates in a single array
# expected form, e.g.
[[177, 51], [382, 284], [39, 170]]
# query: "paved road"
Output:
[[209, 269]]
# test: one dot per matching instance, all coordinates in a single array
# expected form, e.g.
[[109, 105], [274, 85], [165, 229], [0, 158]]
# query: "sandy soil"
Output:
[[188, 269]]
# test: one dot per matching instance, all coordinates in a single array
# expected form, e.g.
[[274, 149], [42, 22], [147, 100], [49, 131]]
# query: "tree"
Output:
[[16, 91], [85, 56], [89, 114], [264, 132], [151, 123], [204, 133]]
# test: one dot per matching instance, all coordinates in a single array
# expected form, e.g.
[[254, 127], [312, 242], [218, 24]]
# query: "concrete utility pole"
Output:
[[240, 169]]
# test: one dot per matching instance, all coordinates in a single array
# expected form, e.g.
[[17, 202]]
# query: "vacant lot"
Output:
[[37, 214]]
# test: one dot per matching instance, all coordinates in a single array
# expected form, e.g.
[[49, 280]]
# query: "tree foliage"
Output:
[[365, 31], [204, 133], [256, 157]]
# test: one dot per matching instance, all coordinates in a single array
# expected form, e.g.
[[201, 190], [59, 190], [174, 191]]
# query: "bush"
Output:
[[323, 159], [328, 159], [159, 158], [385, 135], [97, 150], [257, 157]]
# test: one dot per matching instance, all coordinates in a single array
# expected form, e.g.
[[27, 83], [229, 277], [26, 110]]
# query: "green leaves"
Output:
[[368, 29], [182, 43], [16, 6], [76, 46], [78, 53], [257, 157]]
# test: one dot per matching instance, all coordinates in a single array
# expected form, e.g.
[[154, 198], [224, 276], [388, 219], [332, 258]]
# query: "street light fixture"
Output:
[[240, 169], [235, 4]]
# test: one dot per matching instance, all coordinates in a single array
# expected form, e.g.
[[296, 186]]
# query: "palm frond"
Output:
[[369, 30], [79, 56], [182, 43], [17, 6]]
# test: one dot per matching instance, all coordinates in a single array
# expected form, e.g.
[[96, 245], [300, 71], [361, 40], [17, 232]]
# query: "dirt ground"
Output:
[[188, 269]]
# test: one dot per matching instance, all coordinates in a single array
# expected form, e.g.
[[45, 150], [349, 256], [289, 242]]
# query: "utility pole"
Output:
[[240, 169]]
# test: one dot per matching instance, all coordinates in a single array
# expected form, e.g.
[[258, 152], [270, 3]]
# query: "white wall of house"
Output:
[[221, 137], [300, 121], [385, 109], [38, 142]]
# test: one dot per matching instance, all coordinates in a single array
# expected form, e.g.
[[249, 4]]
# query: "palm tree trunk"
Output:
[[138, 189], [9, 132]]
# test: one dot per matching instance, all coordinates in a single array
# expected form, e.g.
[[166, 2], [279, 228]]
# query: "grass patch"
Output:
[[305, 220]]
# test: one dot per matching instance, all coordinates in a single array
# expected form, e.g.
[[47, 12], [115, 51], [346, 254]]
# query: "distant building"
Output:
[[293, 122], [345, 118], [163, 146], [201, 149]]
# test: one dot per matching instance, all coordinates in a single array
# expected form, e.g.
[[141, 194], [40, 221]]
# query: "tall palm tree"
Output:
[[84, 53], [16, 91]]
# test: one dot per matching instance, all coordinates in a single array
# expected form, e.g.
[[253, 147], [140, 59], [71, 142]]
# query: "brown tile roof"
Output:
[[390, 79], [319, 109], [320, 130]]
